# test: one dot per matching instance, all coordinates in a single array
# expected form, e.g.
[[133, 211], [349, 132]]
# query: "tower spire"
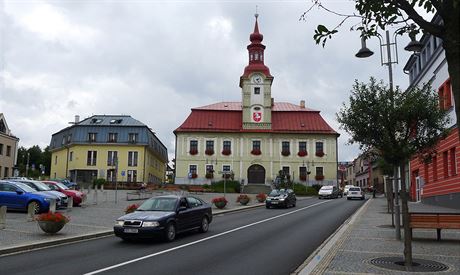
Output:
[[256, 52]]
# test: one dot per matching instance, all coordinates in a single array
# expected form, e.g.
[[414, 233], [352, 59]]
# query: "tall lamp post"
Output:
[[413, 46]]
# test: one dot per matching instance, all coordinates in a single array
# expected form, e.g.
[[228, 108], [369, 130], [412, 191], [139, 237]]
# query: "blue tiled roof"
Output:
[[111, 120]]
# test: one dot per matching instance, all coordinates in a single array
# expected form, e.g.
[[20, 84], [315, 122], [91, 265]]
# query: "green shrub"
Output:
[[300, 190], [317, 187], [99, 182], [232, 186]]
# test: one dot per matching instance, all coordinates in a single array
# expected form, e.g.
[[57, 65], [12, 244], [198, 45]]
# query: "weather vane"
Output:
[[256, 14]]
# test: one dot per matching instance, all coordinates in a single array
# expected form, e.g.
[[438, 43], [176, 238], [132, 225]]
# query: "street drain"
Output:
[[419, 265]]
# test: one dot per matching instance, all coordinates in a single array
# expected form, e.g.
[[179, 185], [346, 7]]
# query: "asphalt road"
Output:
[[256, 241]]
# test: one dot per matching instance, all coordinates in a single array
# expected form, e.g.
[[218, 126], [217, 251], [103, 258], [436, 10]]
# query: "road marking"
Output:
[[202, 240]]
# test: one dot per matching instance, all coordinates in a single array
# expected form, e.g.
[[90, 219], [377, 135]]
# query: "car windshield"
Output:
[[276, 192], [159, 204], [354, 189], [326, 188], [39, 186], [25, 187], [62, 186]]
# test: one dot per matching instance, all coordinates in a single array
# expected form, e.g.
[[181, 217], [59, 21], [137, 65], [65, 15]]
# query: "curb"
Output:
[[37, 245], [318, 261], [106, 233]]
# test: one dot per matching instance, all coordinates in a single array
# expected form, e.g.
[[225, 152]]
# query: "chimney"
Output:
[[77, 119], [273, 101], [302, 104]]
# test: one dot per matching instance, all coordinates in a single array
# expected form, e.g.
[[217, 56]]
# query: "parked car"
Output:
[[68, 183], [345, 190], [77, 196], [18, 196], [329, 191], [61, 199], [355, 192], [281, 197], [164, 216]]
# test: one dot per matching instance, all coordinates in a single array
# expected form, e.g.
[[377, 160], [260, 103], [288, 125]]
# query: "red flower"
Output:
[[256, 152], [319, 153], [193, 151], [302, 153], [303, 177], [131, 208], [243, 197], [219, 199], [209, 152], [226, 152], [319, 177], [52, 217], [285, 153], [194, 176], [261, 197]]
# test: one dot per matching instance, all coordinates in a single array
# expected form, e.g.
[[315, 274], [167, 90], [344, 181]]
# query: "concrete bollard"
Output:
[[30, 212], [69, 204], [95, 197], [2, 217], [89, 190], [52, 205], [102, 187]]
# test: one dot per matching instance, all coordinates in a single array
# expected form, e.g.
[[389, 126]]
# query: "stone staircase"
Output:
[[256, 189]]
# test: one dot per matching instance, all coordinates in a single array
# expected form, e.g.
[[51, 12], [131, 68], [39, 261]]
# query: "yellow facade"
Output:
[[75, 157]]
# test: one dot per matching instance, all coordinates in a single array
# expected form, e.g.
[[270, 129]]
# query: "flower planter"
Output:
[[209, 152], [226, 152], [320, 154], [285, 153], [51, 227], [256, 152], [244, 201], [302, 153], [319, 177], [261, 197], [193, 152], [220, 204]]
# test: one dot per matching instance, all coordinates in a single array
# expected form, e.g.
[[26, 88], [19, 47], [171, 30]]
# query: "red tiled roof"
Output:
[[227, 117]]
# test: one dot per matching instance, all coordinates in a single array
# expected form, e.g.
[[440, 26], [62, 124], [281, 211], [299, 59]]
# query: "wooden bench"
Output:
[[436, 221], [195, 189]]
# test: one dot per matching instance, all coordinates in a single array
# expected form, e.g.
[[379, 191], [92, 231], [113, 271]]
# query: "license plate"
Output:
[[354, 193], [274, 202], [130, 230]]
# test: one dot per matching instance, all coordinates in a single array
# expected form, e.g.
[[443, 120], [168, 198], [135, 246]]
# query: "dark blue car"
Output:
[[18, 196], [164, 216]]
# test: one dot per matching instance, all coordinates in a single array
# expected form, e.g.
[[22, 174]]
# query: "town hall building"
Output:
[[252, 140]]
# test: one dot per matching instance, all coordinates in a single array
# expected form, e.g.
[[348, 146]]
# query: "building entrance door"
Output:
[[256, 174]]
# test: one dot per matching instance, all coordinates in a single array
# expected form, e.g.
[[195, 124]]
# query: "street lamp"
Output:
[[307, 170], [414, 46]]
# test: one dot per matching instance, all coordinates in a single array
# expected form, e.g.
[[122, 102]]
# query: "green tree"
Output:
[[374, 15], [395, 125]]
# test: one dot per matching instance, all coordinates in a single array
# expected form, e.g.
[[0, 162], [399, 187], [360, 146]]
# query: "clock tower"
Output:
[[255, 84]]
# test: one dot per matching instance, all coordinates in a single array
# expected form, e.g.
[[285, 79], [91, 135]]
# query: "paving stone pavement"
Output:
[[90, 219], [366, 239]]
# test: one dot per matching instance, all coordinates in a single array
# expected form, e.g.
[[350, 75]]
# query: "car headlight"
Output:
[[282, 199], [150, 224], [119, 223]]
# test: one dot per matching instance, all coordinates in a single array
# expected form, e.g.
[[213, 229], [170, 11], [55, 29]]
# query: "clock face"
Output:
[[257, 79]]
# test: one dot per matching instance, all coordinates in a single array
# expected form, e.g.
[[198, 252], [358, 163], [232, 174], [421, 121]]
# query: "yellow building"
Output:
[[8, 149], [117, 148], [256, 138]]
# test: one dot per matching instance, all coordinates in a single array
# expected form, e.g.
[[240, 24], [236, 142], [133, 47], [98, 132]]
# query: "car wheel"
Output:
[[293, 205], [348, 198], [35, 206], [267, 206], [204, 225], [170, 232]]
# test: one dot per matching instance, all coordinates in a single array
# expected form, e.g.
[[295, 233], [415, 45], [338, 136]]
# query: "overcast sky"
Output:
[[154, 60]]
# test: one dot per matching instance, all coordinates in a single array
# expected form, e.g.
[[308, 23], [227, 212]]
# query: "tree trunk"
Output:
[[451, 45], [405, 214]]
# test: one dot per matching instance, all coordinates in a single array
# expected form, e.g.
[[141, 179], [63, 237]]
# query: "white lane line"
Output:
[[201, 240]]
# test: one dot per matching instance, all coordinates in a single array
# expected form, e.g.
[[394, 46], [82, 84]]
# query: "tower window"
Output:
[[256, 56], [257, 90]]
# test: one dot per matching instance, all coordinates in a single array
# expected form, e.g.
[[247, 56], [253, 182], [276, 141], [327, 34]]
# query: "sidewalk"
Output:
[[89, 221], [368, 235]]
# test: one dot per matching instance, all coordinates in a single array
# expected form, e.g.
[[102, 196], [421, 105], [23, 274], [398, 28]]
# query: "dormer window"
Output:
[[96, 120], [92, 137], [116, 121], [112, 137]]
